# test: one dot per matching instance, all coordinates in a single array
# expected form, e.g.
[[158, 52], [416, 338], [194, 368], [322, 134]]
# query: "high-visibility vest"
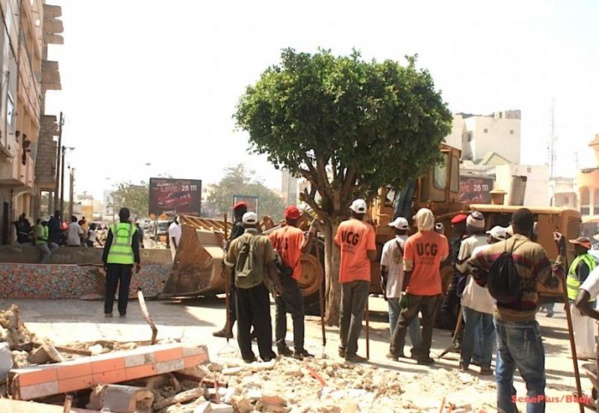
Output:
[[572, 281], [121, 249], [42, 232]]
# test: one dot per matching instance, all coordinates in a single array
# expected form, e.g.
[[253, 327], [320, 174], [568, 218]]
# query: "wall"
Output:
[[537, 186], [502, 137]]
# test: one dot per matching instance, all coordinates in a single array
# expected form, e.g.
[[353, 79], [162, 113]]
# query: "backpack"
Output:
[[249, 267], [503, 280], [283, 270]]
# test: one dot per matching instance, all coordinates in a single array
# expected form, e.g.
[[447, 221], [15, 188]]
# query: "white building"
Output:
[[479, 135], [289, 188], [537, 182]]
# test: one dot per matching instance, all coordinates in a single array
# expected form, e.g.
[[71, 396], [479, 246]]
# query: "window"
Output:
[[486, 130], [469, 136], [455, 174], [511, 131], [596, 202], [440, 173], [585, 201]]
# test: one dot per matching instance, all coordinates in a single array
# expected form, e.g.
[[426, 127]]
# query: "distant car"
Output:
[[174, 200]]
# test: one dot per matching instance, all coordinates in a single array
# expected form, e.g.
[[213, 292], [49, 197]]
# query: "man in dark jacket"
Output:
[[238, 229]]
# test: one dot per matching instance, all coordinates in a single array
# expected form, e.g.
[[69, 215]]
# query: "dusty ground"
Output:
[[377, 386]]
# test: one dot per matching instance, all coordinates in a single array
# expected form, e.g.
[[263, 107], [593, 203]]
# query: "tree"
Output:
[[239, 181], [348, 127], [134, 197]]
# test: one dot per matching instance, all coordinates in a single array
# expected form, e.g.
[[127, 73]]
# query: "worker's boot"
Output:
[[224, 333]]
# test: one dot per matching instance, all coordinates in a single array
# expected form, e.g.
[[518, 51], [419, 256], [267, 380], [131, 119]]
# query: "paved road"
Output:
[[66, 321]]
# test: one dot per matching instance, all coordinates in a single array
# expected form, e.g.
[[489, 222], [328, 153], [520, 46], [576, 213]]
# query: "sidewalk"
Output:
[[67, 321]]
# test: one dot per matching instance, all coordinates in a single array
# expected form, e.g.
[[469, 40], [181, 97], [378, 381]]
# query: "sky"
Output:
[[149, 87]]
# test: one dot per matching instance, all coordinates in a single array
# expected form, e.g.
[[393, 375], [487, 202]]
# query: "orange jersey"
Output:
[[355, 238], [423, 254], [288, 242]]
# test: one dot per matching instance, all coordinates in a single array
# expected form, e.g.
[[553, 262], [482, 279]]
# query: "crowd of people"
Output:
[[412, 286], [259, 264]]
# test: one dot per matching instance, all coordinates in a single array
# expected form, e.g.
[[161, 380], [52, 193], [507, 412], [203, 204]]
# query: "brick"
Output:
[[195, 350], [168, 366], [36, 375], [102, 365], [168, 354], [140, 371], [112, 376], [76, 383], [38, 390], [35, 382], [74, 369], [138, 360], [194, 361]]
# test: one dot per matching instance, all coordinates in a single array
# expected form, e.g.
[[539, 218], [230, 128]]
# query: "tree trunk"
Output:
[[333, 288]]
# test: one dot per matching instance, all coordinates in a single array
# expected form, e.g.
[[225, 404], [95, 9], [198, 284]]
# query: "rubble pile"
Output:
[[326, 386], [283, 385]]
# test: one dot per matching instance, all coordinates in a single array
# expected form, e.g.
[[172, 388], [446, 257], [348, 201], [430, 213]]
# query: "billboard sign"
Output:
[[251, 201], [475, 190], [175, 196]]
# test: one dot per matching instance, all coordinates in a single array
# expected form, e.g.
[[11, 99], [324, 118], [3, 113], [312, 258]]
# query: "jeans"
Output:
[[353, 303], [473, 321], [413, 328], [291, 301], [519, 344], [47, 250], [117, 274], [450, 308], [425, 304], [253, 309]]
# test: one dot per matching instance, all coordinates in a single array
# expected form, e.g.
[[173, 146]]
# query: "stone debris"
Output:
[[283, 385]]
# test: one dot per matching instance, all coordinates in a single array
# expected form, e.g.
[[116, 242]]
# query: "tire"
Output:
[[312, 277]]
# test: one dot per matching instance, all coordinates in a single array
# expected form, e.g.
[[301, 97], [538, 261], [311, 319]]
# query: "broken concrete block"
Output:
[[5, 360], [179, 398], [203, 408], [350, 407], [242, 405], [86, 372], [127, 399], [220, 408], [38, 356]]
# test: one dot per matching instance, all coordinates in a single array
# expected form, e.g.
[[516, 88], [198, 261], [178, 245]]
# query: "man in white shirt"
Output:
[[174, 236], [74, 233], [478, 306], [392, 278]]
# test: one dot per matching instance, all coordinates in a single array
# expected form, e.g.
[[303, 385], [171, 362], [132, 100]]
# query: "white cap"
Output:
[[250, 218], [359, 206], [498, 232], [400, 223]]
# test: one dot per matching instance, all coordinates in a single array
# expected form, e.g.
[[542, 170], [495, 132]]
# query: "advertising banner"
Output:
[[175, 196], [251, 201], [475, 190]]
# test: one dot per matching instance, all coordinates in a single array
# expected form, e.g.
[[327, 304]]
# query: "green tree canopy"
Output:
[[240, 181], [346, 125], [133, 196]]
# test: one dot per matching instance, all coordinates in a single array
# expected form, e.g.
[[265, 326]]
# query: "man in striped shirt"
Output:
[[519, 341]]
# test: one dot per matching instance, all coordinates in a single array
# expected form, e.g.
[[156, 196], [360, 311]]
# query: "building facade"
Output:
[[24, 79], [479, 135]]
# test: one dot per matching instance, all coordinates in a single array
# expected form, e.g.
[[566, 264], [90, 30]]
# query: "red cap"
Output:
[[239, 205], [292, 212], [459, 218]]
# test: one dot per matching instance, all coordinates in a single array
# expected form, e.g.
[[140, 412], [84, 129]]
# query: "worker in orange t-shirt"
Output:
[[290, 244], [423, 254], [356, 239]]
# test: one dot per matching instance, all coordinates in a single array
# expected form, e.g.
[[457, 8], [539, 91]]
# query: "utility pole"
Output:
[[71, 192], [58, 164], [64, 149]]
